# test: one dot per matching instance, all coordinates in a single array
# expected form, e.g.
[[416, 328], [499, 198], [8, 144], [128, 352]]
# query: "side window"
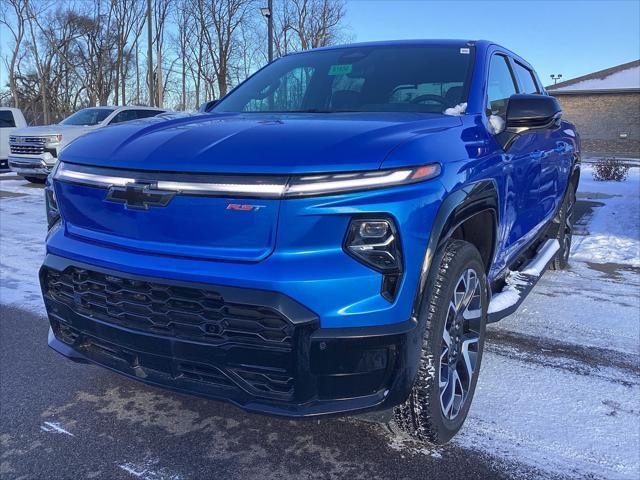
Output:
[[6, 119], [500, 87], [124, 116], [147, 113], [526, 79]]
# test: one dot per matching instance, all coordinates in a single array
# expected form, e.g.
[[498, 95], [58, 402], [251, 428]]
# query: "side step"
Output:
[[519, 283]]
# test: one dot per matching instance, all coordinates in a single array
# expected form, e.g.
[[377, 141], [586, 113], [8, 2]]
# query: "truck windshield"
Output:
[[88, 116], [404, 78]]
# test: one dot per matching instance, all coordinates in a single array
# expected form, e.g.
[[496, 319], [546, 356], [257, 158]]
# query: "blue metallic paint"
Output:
[[294, 246]]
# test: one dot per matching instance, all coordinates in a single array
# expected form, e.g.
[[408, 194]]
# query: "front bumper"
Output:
[[30, 166], [258, 349]]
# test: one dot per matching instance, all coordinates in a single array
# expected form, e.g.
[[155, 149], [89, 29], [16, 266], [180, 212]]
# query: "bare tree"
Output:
[[160, 15], [220, 21], [129, 21], [316, 22], [16, 26], [68, 54]]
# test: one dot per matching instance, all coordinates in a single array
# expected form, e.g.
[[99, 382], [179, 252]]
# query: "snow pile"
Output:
[[457, 110], [496, 124]]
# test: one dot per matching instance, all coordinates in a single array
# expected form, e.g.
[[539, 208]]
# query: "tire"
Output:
[[433, 413], [564, 234], [38, 180]]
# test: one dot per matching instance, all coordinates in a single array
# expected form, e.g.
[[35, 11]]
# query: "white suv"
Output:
[[34, 150], [10, 119]]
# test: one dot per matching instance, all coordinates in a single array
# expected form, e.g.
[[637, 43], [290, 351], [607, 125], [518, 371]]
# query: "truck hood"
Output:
[[255, 143], [69, 132]]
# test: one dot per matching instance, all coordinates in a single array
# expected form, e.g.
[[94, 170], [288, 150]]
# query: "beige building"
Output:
[[605, 106]]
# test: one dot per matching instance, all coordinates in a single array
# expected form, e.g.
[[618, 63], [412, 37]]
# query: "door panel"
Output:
[[522, 174]]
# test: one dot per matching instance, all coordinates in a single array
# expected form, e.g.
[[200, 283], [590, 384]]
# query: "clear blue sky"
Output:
[[569, 37]]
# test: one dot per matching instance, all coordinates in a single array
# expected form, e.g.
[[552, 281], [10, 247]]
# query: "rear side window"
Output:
[[6, 119], [124, 116], [500, 87], [148, 113], [526, 79]]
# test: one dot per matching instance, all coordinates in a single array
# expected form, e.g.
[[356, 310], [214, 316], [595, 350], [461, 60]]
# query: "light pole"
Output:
[[555, 77], [267, 12], [150, 57]]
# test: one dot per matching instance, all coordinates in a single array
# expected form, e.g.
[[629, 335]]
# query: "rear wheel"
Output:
[[39, 180], [565, 230], [455, 312]]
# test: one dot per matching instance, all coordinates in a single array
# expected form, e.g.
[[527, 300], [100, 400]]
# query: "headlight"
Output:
[[375, 243], [54, 138]]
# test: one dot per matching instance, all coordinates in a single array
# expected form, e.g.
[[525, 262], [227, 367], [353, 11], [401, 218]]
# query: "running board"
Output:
[[520, 283]]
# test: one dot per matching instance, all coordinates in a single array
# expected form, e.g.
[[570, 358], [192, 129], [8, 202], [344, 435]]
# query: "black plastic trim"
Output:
[[336, 371], [295, 312], [455, 209]]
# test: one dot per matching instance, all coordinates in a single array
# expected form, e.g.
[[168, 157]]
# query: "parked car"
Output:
[[10, 119], [34, 150], [331, 238]]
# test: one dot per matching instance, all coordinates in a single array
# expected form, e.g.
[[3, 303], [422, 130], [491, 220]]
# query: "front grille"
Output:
[[27, 149], [27, 145], [179, 312]]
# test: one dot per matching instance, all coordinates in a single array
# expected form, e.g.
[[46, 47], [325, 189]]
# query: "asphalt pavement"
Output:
[[60, 420]]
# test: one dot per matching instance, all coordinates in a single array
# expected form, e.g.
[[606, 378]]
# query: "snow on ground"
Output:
[[560, 382], [614, 230], [23, 227], [559, 388]]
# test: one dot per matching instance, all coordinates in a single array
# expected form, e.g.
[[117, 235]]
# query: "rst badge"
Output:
[[245, 207]]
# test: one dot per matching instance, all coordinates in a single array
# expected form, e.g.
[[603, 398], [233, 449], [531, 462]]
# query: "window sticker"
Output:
[[343, 69], [465, 51]]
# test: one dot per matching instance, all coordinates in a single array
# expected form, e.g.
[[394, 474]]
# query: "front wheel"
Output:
[[455, 313]]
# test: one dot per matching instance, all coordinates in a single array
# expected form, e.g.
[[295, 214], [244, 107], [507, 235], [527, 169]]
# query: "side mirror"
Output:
[[529, 112], [207, 106]]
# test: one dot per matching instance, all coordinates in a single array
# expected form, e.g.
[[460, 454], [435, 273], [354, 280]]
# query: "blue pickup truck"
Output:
[[331, 237]]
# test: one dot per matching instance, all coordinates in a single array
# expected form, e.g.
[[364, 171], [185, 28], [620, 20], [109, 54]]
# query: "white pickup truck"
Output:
[[34, 150], [10, 119]]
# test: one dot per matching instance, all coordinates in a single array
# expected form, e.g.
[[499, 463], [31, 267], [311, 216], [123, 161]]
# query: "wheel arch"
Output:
[[463, 214]]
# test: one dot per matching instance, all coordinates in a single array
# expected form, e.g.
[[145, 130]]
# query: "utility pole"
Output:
[[267, 12], [150, 57], [270, 30]]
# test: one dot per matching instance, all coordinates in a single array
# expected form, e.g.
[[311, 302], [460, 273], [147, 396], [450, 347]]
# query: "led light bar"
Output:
[[261, 189], [77, 176], [351, 182], [261, 186]]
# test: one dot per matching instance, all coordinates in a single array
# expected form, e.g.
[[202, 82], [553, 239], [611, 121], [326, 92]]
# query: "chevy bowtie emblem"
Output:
[[139, 196]]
